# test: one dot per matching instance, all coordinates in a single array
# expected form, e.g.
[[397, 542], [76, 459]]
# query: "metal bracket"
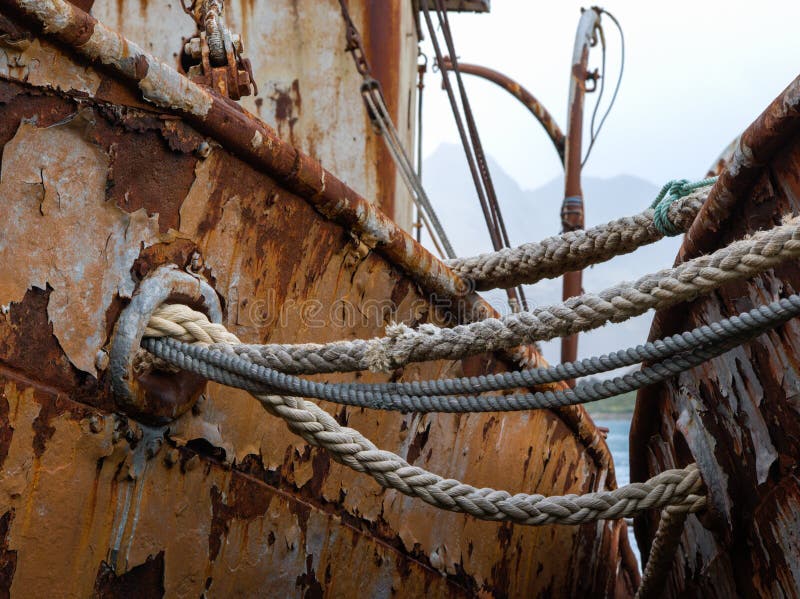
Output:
[[233, 78], [157, 397]]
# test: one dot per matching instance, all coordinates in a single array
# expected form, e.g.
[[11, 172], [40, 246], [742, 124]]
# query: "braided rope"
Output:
[[678, 488], [662, 553], [695, 346], [576, 250], [740, 260]]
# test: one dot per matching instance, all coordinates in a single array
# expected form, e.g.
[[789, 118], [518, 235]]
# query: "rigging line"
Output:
[[372, 95], [488, 212], [460, 126], [480, 156], [592, 132], [377, 107], [422, 68], [596, 133]]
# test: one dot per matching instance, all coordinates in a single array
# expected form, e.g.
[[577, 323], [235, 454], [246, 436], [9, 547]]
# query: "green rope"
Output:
[[672, 190]]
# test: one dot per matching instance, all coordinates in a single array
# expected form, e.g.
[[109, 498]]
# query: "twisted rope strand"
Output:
[[402, 345], [678, 488], [576, 250], [696, 346], [662, 553]]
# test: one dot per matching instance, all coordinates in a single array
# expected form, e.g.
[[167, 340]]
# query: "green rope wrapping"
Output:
[[672, 190]]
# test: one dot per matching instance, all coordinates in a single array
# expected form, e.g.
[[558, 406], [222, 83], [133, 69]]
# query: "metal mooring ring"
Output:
[[157, 397]]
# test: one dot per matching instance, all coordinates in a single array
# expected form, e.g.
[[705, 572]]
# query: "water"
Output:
[[618, 432]]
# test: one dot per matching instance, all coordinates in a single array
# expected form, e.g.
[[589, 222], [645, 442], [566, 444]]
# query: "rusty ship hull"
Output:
[[98, 188], [736, 415]]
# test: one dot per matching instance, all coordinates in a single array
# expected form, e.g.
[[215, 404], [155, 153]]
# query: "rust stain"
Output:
[[6, 430], [288, 108], [244, 500], [43, 195], [147, 171], [28, 346], [381, 34], [85, 5]]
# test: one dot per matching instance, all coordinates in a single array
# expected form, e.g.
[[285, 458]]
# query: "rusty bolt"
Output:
[[101, 360], [171, 457], [203, 150], [192, 48], [96, 425]]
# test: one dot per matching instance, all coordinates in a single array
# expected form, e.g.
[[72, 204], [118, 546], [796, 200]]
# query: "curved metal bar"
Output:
[[163, 284], [520, 93]]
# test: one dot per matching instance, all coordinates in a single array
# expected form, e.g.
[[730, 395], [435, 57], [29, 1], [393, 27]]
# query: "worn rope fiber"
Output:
[[575, 250], [234, 371], [679, 488], [740, 260], [662, 553], [714, 339]]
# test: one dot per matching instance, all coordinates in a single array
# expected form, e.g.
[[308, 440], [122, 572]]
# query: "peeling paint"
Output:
[[72, 240]]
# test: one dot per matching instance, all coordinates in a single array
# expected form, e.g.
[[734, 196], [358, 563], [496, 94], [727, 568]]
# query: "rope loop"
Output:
[[671, 191]]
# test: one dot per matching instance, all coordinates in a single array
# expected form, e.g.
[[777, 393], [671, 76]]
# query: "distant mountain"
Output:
[[531, 215]]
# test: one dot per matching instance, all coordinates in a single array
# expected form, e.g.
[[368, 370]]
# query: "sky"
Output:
[[696, 73]]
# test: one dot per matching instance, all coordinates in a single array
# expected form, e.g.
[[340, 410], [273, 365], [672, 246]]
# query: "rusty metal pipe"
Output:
[[520, 93], [572, 216]]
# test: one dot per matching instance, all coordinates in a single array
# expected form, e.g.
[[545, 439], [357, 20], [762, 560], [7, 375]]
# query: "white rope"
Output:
[[740, 260], [680, 489], [662, 553], [574, 250]]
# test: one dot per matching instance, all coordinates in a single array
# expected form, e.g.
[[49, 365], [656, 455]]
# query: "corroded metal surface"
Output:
[[225, 500], [296, 50], [736, 416], [572, 214]]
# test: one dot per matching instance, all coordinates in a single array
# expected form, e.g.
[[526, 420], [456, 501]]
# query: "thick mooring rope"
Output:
[[678, 488], [740, 260], [678, 353], [662, 553], [576, 250]]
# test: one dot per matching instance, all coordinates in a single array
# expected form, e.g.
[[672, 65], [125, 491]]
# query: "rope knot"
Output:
[[393, 350], [671, 191]]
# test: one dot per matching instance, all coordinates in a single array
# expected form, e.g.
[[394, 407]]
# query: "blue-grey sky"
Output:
[[696, 74]]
